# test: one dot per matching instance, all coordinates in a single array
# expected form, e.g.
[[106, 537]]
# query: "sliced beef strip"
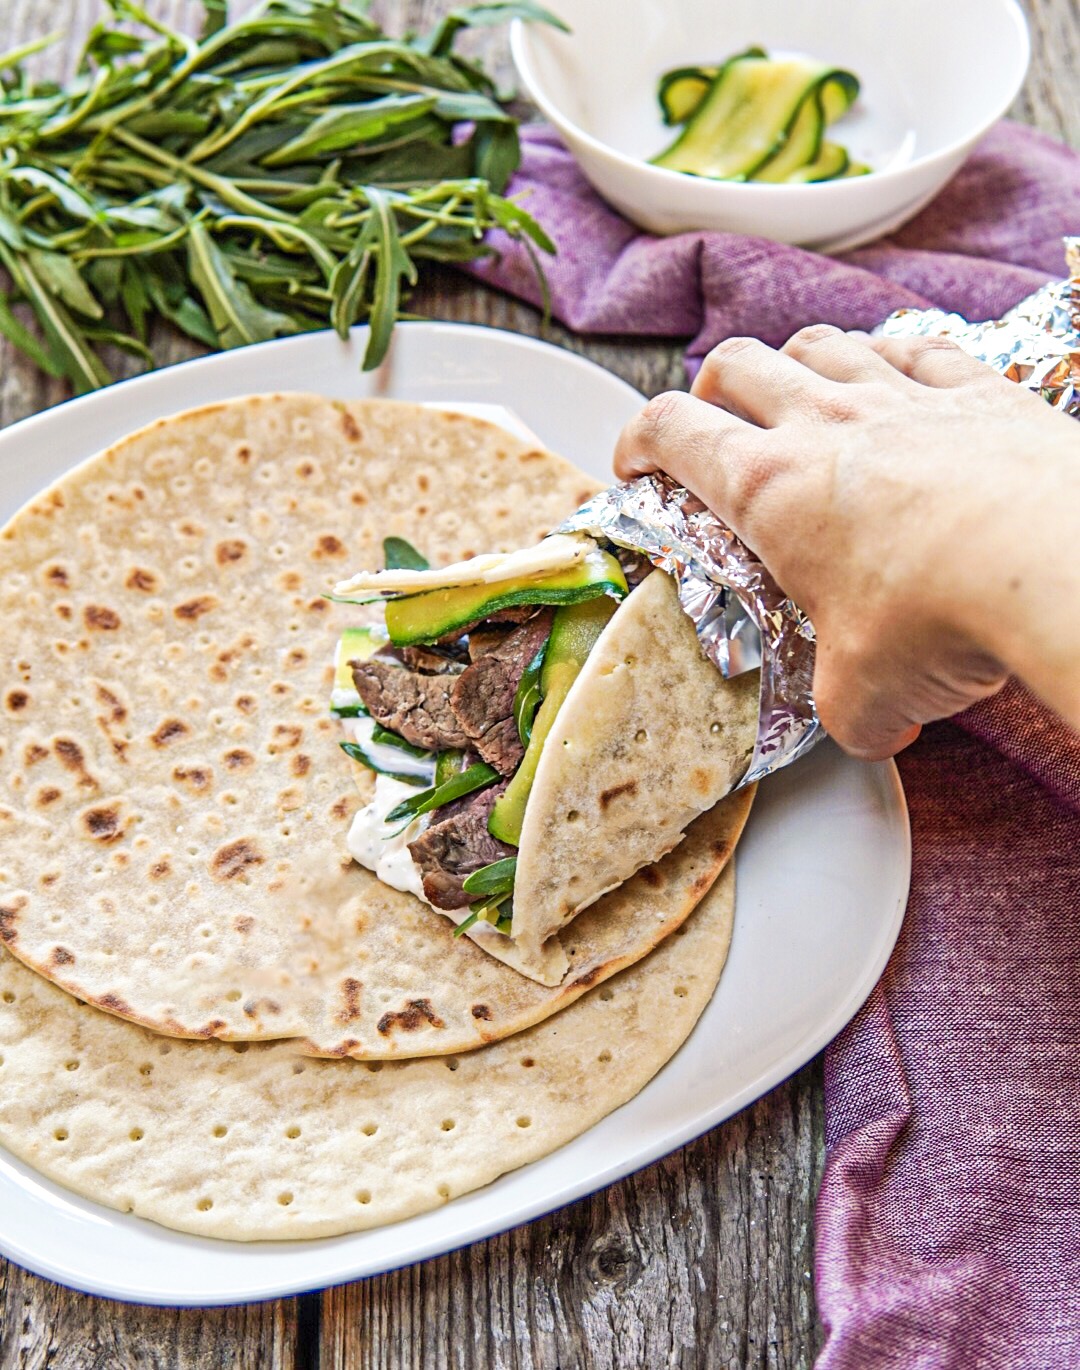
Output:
[[486, 638], [430, 660], [415, 706], [458, 844], [482, 696], [516, 613]]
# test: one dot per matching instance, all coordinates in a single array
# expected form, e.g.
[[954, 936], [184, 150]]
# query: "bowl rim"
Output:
[[519, 51]]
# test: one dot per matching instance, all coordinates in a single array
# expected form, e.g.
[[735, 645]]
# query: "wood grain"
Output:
[[702, 1260]]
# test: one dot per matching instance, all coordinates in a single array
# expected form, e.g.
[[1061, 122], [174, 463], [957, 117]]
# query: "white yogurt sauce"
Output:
[[378, 845]]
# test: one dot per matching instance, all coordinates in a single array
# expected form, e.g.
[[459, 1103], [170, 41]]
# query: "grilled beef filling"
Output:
[[424, 695], [458, 844], [482, 697], [414, 705]]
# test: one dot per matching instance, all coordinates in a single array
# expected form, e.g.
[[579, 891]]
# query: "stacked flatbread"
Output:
[[173, 811]]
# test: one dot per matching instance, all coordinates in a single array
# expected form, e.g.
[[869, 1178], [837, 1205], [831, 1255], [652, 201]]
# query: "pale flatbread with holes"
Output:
[[173, 800], [261, 1142]]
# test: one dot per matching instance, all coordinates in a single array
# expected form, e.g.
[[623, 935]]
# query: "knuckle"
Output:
[[811, 336], [659, 416], [925, 346], [730, 349]]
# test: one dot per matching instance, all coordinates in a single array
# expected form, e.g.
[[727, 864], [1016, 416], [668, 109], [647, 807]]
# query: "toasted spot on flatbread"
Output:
[[169, 731], [350, 993], [113, 1003], [329, 547], [609, 796], [415, 1014], [9, 916], [230, 550], [103, 824], [138, 578], [101, 618], [192, 609], [235, 858]]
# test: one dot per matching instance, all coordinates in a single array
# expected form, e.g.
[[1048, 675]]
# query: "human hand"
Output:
[[913, 502]]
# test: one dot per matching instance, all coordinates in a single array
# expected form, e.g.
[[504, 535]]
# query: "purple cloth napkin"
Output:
[[948, 1222]]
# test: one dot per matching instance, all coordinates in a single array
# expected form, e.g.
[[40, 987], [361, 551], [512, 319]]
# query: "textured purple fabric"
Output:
[[948, 1222], [1007, 207]]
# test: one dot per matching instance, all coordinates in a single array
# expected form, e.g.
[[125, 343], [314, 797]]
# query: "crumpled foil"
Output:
[[1036, 344], [742, 617]]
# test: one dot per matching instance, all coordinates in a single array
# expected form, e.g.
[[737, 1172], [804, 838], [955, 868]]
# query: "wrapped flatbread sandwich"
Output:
[[543, 724]]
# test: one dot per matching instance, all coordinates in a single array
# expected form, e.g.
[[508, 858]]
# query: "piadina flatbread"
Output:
[[260, 1142], [173, 801]]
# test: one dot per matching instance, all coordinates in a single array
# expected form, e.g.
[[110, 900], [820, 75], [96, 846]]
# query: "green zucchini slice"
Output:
[[830, 163], [759, 119], [682, 89], [433, 614]]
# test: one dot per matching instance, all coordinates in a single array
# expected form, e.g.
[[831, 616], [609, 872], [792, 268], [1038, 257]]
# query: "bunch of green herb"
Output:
[[276, 174]]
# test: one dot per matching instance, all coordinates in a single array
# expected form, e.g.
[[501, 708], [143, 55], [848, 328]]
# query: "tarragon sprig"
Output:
[[292, 169]]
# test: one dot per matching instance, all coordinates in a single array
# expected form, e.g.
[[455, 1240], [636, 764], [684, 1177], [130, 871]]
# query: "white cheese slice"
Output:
[[559, 552]]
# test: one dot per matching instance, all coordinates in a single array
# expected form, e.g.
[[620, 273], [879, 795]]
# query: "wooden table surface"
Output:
[[703, 1260]]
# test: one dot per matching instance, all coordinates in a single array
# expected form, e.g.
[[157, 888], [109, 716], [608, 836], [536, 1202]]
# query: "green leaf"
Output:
[[135, 299], [345, 126], [60, 275], [21, 337], [528, 695], [381, 734], [393, 265], [497, 152], [399, 555], [475, 778], [495, 879], [67, 344], [215, 18], [237, 316], [182, 310], [348, 286], [467, 923], [124, 341], [60, 185]]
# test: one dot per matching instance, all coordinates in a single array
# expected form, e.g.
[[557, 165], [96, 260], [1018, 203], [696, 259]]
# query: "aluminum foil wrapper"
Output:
[[742, 617], [1037, 344]]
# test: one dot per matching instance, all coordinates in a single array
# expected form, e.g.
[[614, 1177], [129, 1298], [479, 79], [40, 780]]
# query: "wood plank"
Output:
[[45, 1325], [1050, 98]]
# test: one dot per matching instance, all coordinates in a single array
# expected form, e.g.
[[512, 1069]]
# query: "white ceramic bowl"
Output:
[[935, 75]]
